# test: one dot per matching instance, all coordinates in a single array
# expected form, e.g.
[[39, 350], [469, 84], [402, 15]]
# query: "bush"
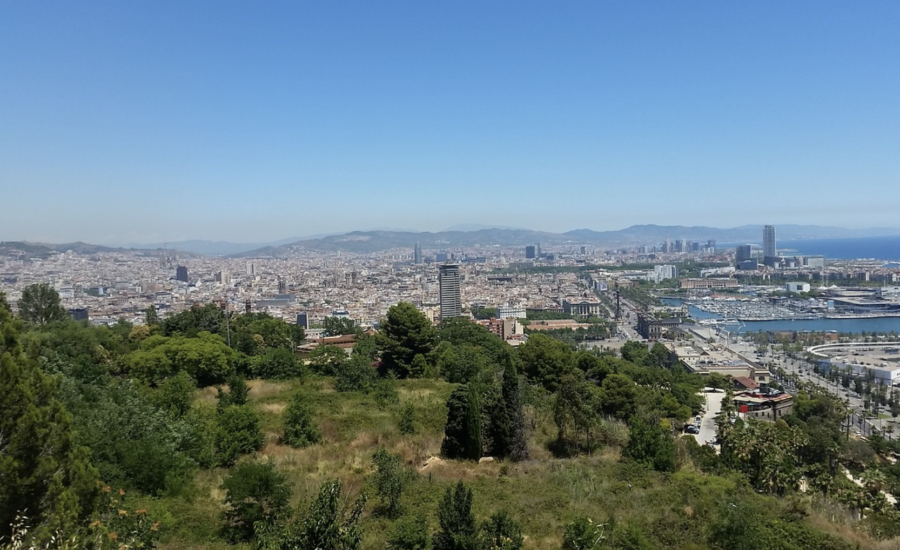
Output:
[[407, 424], [583, 534], [389, 479], [501, 532], [299, 429], [238, 432], [651, 445], [325, 525], [409, 533], [254, 492]]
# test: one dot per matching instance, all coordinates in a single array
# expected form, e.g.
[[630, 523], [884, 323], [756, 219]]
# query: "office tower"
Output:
[[529, 252], [583, 250], [538, 250], [251, 268], [711, 243], [743, 253], [282, 286], [181, 274], [769, 250], [417, 254], [451, 300], [303, 320]]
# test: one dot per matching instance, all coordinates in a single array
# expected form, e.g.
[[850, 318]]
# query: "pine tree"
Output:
[[44, 475], [299, 428]]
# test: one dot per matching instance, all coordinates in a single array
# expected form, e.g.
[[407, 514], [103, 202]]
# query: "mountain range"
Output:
[[457, 236]]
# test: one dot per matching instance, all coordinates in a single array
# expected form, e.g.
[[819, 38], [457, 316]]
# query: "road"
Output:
[[708, 422], [804, 371]]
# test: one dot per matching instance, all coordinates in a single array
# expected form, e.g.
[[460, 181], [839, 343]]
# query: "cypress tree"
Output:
[[455, 435], [473, 427], [515, 445]]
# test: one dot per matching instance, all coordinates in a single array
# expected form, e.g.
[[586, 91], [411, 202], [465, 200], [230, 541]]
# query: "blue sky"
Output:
[[148, 121]]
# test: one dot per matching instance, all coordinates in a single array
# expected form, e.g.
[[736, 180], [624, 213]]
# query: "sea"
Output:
[[886, 249]]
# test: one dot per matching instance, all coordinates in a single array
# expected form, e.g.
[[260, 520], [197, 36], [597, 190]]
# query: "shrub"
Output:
[[238, 432], [409, 533], [254, 492], [299, 429], [501, 532], [389, 479]]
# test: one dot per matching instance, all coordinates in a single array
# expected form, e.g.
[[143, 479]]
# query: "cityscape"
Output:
[[449, 276]]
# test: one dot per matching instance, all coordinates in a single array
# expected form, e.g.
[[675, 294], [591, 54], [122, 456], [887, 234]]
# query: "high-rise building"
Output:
[[181, 274], [529, 252], [451, 299], [743, 253], [769, 249], [417, 254], [303, 320]]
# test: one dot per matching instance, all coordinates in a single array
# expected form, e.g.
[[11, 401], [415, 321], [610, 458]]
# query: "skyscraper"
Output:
[[181, 274], [529, 252], [451, 299], [770, 252], [417, 254]]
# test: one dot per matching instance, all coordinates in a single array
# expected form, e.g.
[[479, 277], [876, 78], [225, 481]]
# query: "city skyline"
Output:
[[131, 123]]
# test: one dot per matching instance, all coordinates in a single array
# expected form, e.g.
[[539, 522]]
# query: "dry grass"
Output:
[[261, 389]]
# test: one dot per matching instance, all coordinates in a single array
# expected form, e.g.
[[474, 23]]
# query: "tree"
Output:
[[238, 432], [405, 333], [338, 326], [473, 426], [501, 532], [175, 395], [768, 453], [389, 480], [324, 525], [575, 415], [44, 475], [326, 359], [356, 374], [618, 396], [191, 322], [514, 444], [456, 443], [299, 429], [40, 304], [458, 530], [409, 533], [151, 317], [651, 445], [276, 364], [254, 492], [205, 358], [546, 360]]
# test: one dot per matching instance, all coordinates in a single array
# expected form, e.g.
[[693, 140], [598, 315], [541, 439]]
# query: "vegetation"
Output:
[[213, 452]]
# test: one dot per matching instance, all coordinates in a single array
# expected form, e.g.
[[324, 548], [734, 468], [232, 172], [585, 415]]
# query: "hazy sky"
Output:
[[140, 121]]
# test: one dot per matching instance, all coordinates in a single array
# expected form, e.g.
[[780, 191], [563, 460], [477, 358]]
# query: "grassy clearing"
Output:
[[543, 493]]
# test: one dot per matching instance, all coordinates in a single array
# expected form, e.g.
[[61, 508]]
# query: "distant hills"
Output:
[[378, 240], [373, 241]]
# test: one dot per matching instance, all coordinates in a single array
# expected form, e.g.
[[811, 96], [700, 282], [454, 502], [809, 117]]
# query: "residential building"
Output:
[[451, 298]]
